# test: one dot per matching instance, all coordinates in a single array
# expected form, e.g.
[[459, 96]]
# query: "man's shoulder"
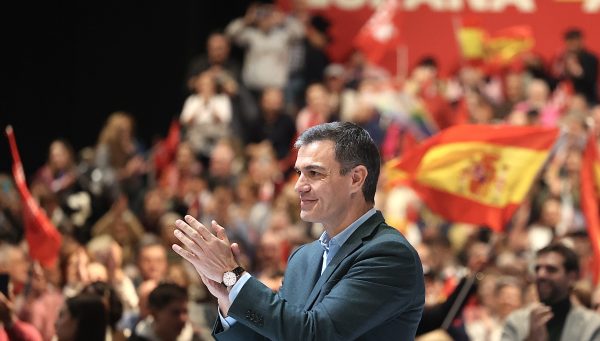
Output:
[[387, 233], [591, 318], [306, 248]]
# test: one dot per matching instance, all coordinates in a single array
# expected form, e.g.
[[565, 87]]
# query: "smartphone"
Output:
[[4, 280]]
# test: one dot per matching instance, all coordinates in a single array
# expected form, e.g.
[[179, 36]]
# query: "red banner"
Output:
[[42, 237], [428, 26]]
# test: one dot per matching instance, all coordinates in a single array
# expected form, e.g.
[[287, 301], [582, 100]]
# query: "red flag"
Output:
[[590, 182], [165, 150], [380, 36], [475, 174], [42, 237]]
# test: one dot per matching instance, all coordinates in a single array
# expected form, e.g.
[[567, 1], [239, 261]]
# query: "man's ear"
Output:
[[358, 176]]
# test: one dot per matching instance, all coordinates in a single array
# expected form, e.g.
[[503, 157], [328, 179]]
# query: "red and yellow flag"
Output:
[[590, 190], [475, 174], [42, 237]]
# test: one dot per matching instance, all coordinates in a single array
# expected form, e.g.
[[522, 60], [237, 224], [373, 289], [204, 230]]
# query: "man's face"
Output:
[[574, 44], [324, 193], [153, 262], [272, 100], [552, 281], [170, 320], [218, 49]]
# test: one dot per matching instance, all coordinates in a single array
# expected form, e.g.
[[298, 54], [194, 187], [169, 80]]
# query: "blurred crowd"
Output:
[[229, 158]]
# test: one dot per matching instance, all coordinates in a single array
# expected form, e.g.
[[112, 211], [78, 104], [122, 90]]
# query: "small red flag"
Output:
[[43, 238], [380, 36], [165, 150]]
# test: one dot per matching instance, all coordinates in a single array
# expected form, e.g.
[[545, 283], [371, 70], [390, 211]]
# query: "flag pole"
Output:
[[401, 63]]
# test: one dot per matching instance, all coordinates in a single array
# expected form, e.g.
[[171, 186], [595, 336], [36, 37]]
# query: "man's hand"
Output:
[[211, 255], [539, 316]]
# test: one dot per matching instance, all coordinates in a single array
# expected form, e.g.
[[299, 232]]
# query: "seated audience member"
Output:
[[82, 317], [216, 57], [168, 319], [106, 251], [123, 225], [12, 328], [40, 306], [151, 260], [112, 304], [206, 117], [554, 317]]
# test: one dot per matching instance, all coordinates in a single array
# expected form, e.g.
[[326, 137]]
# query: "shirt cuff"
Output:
[[228, 321]]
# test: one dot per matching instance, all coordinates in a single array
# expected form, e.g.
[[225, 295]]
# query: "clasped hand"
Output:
[[210, 254]]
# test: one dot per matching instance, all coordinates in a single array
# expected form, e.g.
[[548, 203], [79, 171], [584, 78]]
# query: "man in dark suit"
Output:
[[361, 280]]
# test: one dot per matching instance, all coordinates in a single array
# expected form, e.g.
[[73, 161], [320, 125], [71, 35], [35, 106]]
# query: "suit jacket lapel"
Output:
[[353, 243]]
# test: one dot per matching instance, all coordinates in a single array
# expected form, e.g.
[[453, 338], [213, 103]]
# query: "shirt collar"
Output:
[[340, 238]]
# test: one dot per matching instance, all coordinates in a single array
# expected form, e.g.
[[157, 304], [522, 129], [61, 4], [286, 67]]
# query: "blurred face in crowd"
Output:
[[317, 98], [154, 204], [478, 256], [153, 262], [470, 76], [552, 281], [185, 156], [221, 160], [266, 17], [269, 251], [574, 44], [573, 162], [170, 320], [578, 103], [324, 194], [262, 163], [509, 298], [537, 92], [205, 85], [59, 157], [423, 74], [551, 212], [514, 87], [77, 265], [217, 48], [272, 100], [18, 266]]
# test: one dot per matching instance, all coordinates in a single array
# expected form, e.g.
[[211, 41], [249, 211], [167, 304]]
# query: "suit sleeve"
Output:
[[512, 327], [386, 272]]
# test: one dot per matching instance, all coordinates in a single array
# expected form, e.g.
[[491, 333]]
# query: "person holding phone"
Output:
[[12, 328]]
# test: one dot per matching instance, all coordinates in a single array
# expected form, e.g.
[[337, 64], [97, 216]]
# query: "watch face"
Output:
[[229, 278]]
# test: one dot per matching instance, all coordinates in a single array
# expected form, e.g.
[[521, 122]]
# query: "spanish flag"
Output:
[[475, 174], [590, 188], [509, 43], [42, 237]]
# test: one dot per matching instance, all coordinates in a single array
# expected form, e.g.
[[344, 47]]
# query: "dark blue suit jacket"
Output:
[[372, 289]]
